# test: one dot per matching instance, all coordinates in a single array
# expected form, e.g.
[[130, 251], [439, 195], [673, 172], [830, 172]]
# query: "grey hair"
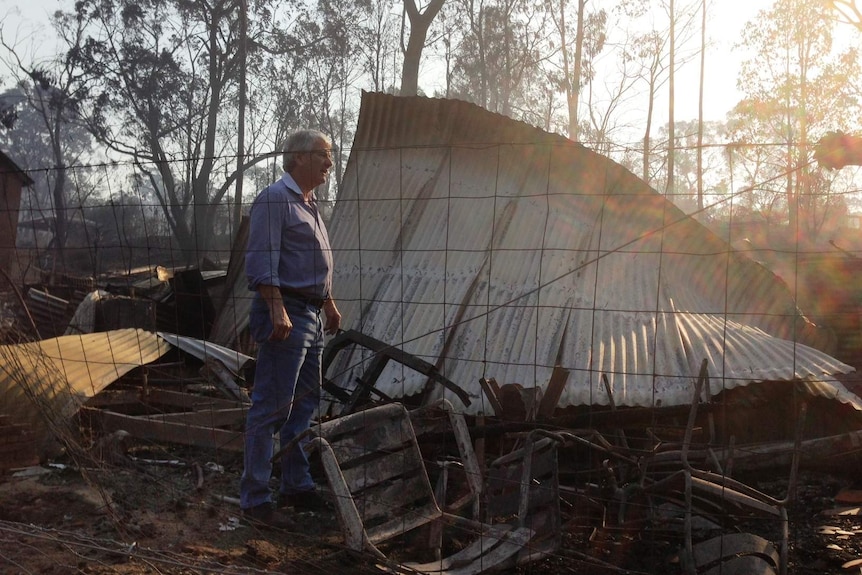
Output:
[[300, 142]]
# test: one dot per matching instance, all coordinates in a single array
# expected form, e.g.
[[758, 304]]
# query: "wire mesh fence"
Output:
[[468, 251]]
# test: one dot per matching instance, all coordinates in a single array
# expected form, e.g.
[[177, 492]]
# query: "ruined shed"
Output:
[[12, 180], [492, 249]]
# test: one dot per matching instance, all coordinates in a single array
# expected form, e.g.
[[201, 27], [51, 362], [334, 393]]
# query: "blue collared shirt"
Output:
[[288, 245]]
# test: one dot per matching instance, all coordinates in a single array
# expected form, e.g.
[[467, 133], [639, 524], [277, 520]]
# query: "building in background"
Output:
[[12, 180]]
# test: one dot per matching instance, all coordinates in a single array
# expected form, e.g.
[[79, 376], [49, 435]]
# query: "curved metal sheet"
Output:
[[203, 350], [45, 382], [493, 249]]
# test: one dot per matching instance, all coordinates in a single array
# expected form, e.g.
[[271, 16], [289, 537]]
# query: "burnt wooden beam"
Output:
[[207, 418], [492, 392], [551, 397], [166, 431], [156, 396]]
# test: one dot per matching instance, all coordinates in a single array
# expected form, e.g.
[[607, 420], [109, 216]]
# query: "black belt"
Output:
[[297, 295]]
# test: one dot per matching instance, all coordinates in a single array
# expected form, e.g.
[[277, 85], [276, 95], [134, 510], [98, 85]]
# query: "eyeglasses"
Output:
[[323, 154]]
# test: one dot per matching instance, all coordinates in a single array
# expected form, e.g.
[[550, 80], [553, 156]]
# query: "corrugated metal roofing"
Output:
[[204, 350], [51, 378], [493, 249]]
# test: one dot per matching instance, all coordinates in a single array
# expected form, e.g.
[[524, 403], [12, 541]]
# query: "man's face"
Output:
[[314, 166]]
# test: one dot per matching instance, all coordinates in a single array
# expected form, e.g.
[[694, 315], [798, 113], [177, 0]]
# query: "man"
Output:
[[289, 265]]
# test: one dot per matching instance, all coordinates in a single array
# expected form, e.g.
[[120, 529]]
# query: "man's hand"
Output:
[[333, 317], [281, 324]]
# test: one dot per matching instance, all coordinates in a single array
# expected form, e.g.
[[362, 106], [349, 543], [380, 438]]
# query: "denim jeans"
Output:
[[285, 395]]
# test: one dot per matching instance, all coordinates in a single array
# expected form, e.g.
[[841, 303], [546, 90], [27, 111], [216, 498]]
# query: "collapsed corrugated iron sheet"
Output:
[[204, 350], [48, 380], [493, 249]]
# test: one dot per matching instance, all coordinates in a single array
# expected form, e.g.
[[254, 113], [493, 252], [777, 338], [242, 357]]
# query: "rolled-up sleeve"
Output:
[[266, 222]]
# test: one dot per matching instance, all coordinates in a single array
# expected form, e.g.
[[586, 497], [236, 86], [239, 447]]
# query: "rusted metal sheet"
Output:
[[51, 379], [492, 249]]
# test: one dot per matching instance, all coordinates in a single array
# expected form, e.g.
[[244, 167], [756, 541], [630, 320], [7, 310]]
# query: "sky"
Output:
[[727, 18]]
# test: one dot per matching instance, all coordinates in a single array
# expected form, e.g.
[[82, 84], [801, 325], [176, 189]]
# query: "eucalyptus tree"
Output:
[[44, 135], [420, 21], [649, 46], [700, 159], [501, 50], [162, 80], [606, 121], [379, 49], [849, 11], [318, 87], [574, 68], [796, 88]]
